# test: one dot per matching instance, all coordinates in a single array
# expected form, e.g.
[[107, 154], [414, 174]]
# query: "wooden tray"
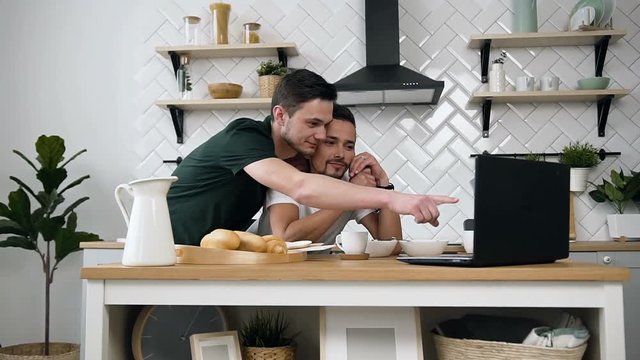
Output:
[[186, 254]]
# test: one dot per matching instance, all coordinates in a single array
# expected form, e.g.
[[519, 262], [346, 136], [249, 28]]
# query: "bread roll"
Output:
[[268, 238], [251, 242], [276, 247], [221, 239]]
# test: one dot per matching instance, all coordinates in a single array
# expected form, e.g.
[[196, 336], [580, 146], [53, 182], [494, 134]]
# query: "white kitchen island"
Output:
[[329, 281]]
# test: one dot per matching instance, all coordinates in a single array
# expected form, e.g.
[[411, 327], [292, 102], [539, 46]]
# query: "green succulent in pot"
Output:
[[26, 223], [581, 157], [264, 336], [271, 67]]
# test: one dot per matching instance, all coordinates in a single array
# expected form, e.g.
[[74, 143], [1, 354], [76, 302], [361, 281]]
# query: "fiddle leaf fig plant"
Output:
[[621, 189], [25, 224]]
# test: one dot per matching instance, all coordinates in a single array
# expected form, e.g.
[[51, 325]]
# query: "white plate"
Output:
[[313, 248], [298, 244]]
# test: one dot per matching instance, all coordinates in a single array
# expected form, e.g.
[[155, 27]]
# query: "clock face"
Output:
[[162, 331]]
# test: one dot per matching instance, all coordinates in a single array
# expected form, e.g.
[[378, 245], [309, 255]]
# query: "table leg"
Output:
[[611, 324], [96, 326]]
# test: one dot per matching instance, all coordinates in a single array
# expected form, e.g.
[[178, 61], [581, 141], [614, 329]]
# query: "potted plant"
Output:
[[581, 158], [497, 81], [619, 191], [269, 75], [264, 337], [26, 226]]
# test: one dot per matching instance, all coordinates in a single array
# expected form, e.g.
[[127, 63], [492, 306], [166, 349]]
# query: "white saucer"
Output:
[[298, 244]]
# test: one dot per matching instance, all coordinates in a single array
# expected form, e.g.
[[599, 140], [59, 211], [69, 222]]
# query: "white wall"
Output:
[[66, 69], [87, 70]]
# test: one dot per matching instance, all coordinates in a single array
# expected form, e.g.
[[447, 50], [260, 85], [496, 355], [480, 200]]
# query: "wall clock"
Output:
[[162, 331]]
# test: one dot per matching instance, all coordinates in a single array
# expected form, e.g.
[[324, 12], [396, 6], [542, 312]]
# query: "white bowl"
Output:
[[467, 241], [380, 248], [430, 247]]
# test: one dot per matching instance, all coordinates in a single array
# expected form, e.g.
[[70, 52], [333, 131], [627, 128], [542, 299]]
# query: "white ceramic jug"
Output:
[[149, 238]]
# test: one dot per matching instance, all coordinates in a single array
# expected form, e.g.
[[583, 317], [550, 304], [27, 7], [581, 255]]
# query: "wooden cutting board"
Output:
[[186, 254]]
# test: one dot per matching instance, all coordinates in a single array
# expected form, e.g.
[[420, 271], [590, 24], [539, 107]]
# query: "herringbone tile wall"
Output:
[[424, 149]]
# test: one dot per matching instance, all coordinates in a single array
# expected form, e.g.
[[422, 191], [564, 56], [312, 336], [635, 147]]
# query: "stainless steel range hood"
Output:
[[384, 80]]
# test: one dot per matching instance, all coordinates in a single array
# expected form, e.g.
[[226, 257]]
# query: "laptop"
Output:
[[521, 215]]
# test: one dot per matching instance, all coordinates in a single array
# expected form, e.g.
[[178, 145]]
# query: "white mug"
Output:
[[549, 83], [352, 242], [525, 83], [467, 241]]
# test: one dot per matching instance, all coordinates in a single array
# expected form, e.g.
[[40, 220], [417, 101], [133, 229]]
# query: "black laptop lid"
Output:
[[521, 211]]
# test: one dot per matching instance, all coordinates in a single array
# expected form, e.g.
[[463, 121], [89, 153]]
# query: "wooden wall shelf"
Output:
[[547, 96], [217, 104], [537, 39], [227, 51]]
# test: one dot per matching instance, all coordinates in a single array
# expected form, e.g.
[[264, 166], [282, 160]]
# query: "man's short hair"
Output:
[[343, 113], [300, 86]]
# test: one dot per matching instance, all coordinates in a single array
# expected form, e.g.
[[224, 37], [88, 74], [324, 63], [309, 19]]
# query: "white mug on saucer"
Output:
[[549, 83], [525, 83], [352, 242]]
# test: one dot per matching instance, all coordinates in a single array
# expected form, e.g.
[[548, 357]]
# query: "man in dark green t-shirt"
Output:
[[223, 182]]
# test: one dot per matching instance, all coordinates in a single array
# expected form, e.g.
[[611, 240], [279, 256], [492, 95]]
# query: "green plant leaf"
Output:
[[598, 195], [73, 157], [20, 207], [50, 201], [51, 178], [632, 189], [18, 241], [616, 179], [75, 183], [49, 227], [12, 227], [25, 187], [75, 205], [26, 159], [4, 210], [50, 151], [582, 155], [68, 240]]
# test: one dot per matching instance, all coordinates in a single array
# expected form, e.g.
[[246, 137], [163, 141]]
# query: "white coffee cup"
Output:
[[352, 242], [467, 241], [525, 83], [549, 83]]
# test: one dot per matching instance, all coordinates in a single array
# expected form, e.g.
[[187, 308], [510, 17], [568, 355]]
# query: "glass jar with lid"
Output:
[[250, 33], [191, 24]]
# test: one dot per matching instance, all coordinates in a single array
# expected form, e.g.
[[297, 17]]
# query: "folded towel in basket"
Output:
[[570, 333]]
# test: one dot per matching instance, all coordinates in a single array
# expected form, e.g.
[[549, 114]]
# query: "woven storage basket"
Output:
[[57, 351], [458, 349], [274, 353], [268, 84]]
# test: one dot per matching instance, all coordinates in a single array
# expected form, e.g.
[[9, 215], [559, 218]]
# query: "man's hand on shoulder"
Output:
[[364, 178], [367, 161]]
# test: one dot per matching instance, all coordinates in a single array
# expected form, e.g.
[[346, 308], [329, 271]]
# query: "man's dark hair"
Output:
[[300, 86], [343, 113]]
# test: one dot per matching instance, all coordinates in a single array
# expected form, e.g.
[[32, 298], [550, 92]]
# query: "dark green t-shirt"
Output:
[[213, 191]]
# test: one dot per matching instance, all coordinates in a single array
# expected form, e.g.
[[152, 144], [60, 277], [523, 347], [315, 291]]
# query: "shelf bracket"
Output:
[[486, 117], [177, 117], [282, 56], [603, 113], [485, 50], [175, 61], [601, 53]]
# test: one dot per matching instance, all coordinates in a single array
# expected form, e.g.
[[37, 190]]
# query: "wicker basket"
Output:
[[457, 349], [57, 351], [274, 353], [268, 84]]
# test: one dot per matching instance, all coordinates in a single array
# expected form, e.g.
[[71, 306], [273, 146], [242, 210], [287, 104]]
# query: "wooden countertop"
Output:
[[577, 246], [331, 268]]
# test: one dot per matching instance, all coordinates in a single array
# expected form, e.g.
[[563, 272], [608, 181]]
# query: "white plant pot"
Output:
[[578, 180], [497, 82], [627, 225]]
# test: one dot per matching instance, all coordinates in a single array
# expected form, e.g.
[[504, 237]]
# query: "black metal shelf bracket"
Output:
[[485, 50], [486, 117], [601, 53], [177, 117], [604, 103], [175, 61], [178, 160], [282, 56]]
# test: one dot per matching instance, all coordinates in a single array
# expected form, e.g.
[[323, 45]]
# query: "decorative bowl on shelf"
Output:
[[593, 83], [225, 90]]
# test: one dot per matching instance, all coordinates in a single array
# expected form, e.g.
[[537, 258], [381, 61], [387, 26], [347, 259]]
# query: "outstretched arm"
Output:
[[327, 193]]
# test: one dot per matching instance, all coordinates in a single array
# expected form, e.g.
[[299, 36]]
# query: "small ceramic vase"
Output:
[[497, 82]]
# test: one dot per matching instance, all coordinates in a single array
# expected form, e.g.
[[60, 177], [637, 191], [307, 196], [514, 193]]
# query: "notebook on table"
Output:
[[521, 215]]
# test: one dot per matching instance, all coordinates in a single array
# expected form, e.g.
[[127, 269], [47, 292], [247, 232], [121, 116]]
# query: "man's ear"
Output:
[[278, 115]]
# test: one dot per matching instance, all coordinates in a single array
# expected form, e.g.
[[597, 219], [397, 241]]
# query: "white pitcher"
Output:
[[149, 238]]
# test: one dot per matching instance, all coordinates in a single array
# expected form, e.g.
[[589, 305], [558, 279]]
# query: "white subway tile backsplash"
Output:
[[423, 148]]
